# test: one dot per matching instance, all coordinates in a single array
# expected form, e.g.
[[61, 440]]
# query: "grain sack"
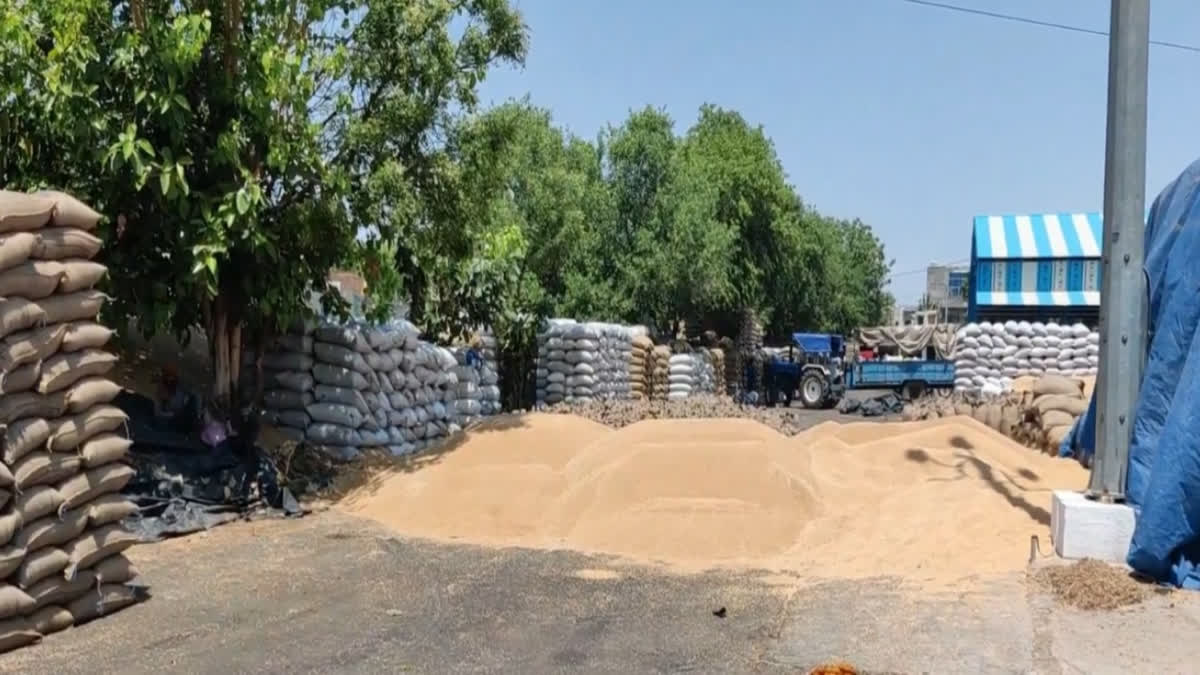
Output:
[[291, 380], [16, 633], [338, 376], [85, 335], [337, 335], [11, 558], [42, 468], [30, 346], [17, 314], [336, 413], [15, 248], [95, 546], [286, 399], [22, 212], [69, 211], [109, 508], [325, 393], [22, 436], [62, 370], [1068, 403], [79, 306], [6, 478], [51, 619], [287, 361], [87, 486], [333, 434], [91, 391], [296, 419], [10, 524], [103, 449], [35, 279], [37, 502], [80, 275], [1056, 435], [300, 344], [107, 599], [115, 569], [52, 530], [57, 243], [1055, 384], [56, 590], [21, 379], [40, 565], [31, 404], [1057, 418], [338, 355], [69, 433]]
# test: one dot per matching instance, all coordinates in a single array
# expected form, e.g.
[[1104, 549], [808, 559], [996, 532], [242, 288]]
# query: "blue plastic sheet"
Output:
[[1164, 454]]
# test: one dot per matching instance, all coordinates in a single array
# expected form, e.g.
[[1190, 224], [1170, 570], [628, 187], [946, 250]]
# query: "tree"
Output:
[[238, 146]]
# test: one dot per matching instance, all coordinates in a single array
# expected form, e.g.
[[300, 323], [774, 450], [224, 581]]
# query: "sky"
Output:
[[910, 118]]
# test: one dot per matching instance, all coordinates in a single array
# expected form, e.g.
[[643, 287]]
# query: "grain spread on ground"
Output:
[[936, 501]]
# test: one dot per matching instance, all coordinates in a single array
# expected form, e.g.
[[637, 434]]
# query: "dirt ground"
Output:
[[332, 593]]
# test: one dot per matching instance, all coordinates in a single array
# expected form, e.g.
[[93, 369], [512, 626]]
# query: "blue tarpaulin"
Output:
[[1164, 454], [818, 343]]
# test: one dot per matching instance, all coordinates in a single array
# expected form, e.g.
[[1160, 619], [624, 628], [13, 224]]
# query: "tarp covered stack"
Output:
[[911, 341], [63, 453]]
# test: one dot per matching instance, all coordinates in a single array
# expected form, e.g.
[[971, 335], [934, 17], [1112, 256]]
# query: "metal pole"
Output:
[[1123, 291]]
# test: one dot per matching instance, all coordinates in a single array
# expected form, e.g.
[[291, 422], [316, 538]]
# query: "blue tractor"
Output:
[[811, 370]]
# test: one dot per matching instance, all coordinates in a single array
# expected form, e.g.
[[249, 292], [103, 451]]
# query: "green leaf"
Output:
[[164, 182], [242, 200]]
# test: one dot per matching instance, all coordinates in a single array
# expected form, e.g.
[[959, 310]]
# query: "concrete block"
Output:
[[1084, 528]]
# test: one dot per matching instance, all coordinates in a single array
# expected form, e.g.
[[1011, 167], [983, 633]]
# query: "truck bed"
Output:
[[892, 374]]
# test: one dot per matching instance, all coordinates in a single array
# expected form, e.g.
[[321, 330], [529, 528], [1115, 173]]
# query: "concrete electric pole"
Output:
[[1123, 312]]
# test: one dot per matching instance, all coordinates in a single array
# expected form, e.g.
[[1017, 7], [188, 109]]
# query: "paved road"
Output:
[[334, 594]]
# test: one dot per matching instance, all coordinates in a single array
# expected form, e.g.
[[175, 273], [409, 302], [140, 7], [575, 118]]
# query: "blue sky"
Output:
[[910, 118]]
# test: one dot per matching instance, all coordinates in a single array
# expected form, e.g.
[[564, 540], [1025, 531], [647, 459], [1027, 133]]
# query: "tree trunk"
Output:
[[225, 341]]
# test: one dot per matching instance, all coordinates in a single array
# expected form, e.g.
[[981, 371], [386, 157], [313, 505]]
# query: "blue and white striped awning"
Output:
[[1038, 236], [1038, 298]]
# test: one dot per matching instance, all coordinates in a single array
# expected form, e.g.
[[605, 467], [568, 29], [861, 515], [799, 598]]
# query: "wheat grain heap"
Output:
[[358, 386], [62, 465], [989, 356]]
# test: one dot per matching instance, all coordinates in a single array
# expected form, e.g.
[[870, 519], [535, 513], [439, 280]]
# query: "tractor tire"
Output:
[[812, 391], [912, 390]]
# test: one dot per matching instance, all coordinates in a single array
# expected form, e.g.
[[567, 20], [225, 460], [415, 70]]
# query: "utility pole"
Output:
[[1123, 290]]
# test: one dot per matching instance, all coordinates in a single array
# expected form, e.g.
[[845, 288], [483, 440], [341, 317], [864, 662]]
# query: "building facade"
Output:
[[945, 292]]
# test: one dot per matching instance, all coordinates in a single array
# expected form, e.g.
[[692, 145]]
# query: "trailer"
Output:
[[910, 378]]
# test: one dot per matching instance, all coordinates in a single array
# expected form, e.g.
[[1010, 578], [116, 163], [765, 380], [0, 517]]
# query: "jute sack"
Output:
[[91, 391], [6, 478], [69, 211], [17, 314], [15, 248], [62, 370], [95, 546], [10, 525], [22, 436], [21, 379], [16, 633], [52, 531], [37, 502], [85, 335], [34, 280], [79, 306], [43, 468], [1068, 403], [110, 508], [31, 404], [1057, 418], [1057, 384], [105, 600], [83, 488], [40, 565], [59, 243], [20, 212], [1056, 435], [59, 591], [51, 619], [115, 569], [80, 275], [11, 558], [104, 449], [69, 433], [29, 346]]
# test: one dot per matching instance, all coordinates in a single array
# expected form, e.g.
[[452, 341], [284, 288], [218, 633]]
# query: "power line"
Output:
[[1037, 22], [922, 270]]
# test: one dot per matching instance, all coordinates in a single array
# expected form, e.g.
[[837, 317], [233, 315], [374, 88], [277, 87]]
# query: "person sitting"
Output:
[[175, 407]]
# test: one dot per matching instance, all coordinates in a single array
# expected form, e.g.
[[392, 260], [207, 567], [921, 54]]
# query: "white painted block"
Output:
[[1084, 528]]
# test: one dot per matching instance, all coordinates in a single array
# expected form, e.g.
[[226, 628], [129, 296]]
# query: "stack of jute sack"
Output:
[[641, 367], [660, 375], [989, 356], [372, 386], [62, 468], [583, 361], [748, 355], [489, 374]]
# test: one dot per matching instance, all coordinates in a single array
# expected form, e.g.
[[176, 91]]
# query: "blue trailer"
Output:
[[814, 368]]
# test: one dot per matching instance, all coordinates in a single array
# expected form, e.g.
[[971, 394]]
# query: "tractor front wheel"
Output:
[[812, 391]]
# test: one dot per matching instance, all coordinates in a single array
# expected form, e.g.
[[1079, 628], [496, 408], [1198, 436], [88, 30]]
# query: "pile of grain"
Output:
[[61, 540], [1092, 585], [618, 414], [837, 500]]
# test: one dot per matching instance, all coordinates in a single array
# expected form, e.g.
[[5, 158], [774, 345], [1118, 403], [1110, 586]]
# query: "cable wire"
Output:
[[1038, 22]]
